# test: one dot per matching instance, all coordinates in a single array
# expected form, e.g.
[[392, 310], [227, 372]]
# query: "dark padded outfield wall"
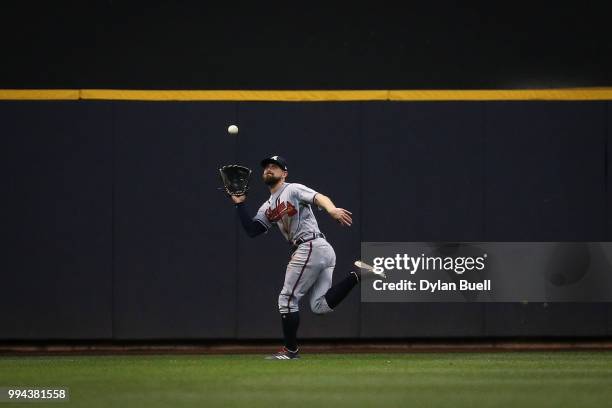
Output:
[[175, 250], [56, 220], [545, 166], [422, 181], [115, 227], [608, 188], [545, 173]]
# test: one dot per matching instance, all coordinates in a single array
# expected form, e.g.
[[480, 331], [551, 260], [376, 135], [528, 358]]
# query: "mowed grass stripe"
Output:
[[559, 379]]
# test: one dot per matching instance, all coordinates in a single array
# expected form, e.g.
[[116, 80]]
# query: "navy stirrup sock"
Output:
[[338, 292], [291, 322]]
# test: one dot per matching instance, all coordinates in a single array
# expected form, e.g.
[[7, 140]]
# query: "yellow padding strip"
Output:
[[503, 95], [291, 96], [39, 94], [310, 96]]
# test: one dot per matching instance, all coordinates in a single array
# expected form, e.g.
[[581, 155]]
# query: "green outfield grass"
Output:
[[519, 379]]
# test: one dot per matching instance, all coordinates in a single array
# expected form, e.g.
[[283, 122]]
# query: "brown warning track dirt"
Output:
[[245, 347]]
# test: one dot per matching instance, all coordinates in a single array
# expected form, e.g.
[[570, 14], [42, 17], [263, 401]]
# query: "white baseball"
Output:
[[232, 129]]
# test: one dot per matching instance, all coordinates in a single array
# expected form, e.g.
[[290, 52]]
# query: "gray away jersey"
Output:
[[291, 209]]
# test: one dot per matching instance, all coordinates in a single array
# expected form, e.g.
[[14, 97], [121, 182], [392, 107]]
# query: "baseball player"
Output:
[[313, 259]]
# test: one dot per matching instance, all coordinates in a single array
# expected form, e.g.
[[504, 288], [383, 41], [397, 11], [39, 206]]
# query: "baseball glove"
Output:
[[235, 179]]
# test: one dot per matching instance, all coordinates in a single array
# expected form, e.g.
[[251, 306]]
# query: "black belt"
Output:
[[308, 237]]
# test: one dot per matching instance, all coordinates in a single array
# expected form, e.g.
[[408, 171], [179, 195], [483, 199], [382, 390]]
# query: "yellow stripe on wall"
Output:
[[310, 95], [39, 94], [189, 95], [564, 94]]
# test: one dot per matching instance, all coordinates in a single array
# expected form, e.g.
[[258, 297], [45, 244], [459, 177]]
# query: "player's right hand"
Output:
[[342, 216], [238, 199]]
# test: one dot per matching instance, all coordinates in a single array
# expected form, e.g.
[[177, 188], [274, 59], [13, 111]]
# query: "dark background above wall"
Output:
[[199, 45]]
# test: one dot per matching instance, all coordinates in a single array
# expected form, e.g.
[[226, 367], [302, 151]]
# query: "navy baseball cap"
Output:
[[278, 160]]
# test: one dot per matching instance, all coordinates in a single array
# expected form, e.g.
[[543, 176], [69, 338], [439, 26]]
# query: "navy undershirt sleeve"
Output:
[[252, 228]]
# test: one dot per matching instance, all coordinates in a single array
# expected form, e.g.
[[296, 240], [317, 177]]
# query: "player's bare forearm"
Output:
[[324, 202], [339, 214]]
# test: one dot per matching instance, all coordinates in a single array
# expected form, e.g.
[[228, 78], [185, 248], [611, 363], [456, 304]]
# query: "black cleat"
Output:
[[284, 354]]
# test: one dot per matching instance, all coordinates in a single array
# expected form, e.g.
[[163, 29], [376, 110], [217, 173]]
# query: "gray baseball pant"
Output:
[[311, 267]]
